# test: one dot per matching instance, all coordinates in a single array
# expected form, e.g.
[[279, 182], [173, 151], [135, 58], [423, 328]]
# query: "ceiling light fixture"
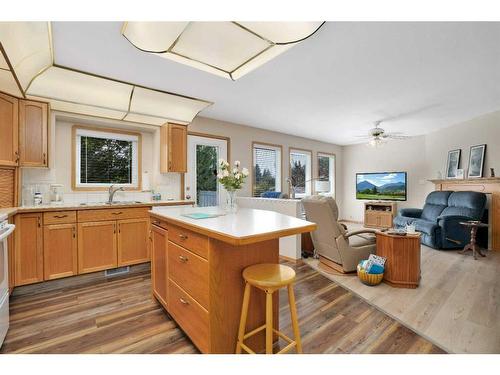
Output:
[[227, 49], [27, 69]]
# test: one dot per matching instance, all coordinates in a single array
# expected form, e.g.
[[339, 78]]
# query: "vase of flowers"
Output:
[[232, 178]]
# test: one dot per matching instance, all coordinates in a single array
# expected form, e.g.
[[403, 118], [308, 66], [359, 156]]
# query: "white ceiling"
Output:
[[331, 87]]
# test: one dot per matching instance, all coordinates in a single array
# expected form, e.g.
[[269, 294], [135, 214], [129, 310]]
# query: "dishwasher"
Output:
[[5, 230]]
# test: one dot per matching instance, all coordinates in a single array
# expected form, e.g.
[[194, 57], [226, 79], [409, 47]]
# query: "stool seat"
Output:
[[269, 275]]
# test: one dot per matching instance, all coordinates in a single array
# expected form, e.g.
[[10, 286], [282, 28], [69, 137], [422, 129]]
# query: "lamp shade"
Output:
[[322, 186]]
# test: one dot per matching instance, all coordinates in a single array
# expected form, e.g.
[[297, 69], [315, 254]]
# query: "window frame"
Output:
[[75, 162], [269, 146], [309, 176], [333, 185]]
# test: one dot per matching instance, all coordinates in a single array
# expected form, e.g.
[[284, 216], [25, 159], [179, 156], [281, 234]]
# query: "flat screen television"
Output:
[[390, 186]]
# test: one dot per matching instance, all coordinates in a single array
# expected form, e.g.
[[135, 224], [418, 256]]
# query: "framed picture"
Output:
[[452, 163], [476, 161]]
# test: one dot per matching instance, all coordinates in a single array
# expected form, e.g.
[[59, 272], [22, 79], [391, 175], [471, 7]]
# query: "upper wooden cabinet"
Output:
[[33, 130], [9, 151], [173, 148]]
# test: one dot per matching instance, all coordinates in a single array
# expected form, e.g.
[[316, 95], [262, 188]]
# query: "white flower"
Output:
[[225, 173], [238, 176], [244, 172], [237, 163], [219, 175], [235, 170], [226, 164], [222, 162]]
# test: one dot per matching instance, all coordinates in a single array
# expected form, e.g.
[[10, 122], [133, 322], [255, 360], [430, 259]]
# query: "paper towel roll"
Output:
[[145, 181]]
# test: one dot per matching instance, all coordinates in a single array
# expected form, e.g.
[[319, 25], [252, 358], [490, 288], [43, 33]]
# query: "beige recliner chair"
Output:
[[337, 248]]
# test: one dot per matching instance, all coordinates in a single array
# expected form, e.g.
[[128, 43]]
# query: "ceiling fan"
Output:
[[377, 136]]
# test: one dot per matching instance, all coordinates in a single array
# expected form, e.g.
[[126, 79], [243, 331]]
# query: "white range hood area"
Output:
[[27, 69]]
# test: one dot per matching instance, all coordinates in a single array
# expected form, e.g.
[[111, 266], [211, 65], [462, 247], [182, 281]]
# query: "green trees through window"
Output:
[[105, 161]]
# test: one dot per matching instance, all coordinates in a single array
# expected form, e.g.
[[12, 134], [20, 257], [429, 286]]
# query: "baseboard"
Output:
[[72, 281], [288, 259]]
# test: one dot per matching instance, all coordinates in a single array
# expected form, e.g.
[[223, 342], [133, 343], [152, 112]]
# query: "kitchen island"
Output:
[[197, 266]]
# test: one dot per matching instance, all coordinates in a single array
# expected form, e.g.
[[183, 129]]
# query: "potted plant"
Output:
[[232, 179]]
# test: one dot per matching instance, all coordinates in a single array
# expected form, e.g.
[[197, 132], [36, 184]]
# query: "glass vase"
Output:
[[231, 206]]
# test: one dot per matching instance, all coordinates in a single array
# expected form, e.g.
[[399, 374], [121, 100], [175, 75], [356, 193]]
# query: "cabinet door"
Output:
[[133, 241], [173, 148], [370, 219], [28, 252], [386, 220], [9, 152], [159, 263], [59, 251], [33, 130], [96, 246]]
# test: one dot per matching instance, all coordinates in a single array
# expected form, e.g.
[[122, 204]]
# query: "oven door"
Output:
[[4, 261]]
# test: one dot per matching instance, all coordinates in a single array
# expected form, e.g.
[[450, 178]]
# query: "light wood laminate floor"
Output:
[[456, 306], [118, 315]]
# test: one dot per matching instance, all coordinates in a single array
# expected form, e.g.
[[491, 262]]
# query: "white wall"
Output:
[[167, 184], [241, 145], [421, 157]]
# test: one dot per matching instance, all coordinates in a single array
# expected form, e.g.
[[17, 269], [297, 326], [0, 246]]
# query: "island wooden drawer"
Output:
[[194, 242], [158, 222], [190, 272], [59, 217], [190, 315], [105, 214]]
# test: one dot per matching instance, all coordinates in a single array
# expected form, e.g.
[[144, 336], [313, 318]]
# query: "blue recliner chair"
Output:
[[439, 220]]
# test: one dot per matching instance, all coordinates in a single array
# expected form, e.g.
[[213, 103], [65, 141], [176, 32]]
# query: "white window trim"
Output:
[[308, 184], [279, 157], [106, 135], [331, 177]]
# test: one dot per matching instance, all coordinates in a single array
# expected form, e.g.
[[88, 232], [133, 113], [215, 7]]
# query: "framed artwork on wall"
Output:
[[452, 163], [476, 161]]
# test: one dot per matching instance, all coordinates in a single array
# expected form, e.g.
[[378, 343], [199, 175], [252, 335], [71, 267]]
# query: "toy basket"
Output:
[[369, 278]]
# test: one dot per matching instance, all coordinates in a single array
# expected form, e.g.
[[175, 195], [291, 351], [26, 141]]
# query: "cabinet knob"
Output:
[[183, 237], [44, 158], [17, 156], [183, 259], [117, 213], [183, 301]]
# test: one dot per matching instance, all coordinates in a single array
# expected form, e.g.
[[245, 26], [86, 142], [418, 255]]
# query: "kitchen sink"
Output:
[[114, 203]]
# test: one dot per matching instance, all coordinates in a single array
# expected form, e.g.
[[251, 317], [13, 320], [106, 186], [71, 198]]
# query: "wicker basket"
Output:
[[369, 278]]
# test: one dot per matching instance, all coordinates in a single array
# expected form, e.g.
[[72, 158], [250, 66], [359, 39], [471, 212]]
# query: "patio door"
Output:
[[201, 181]]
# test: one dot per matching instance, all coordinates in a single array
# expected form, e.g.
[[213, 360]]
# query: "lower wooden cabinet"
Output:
[[97, 249], [60, 251], [133, 241], [28, 252], [159, 263]]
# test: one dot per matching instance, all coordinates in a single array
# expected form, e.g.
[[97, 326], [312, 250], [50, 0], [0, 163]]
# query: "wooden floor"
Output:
[[456, 306], [118, 315]]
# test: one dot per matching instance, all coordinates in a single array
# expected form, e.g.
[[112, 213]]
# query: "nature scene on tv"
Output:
[[388, 186]]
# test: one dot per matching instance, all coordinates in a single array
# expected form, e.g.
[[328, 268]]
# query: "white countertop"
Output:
[[245, 226]]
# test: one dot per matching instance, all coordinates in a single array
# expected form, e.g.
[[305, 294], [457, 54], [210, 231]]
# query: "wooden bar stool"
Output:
[[269, 278]]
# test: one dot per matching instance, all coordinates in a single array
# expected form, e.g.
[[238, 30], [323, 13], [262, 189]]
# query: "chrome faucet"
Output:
[[112, 191]]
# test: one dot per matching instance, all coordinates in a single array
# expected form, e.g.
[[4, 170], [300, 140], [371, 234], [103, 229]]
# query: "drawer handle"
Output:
[[183, 301], [183, 236], [183, 259], [117, 213], [156, 222], [60, 216]]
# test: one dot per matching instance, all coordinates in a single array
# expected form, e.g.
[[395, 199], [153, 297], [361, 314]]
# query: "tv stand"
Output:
[[379, 214]]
